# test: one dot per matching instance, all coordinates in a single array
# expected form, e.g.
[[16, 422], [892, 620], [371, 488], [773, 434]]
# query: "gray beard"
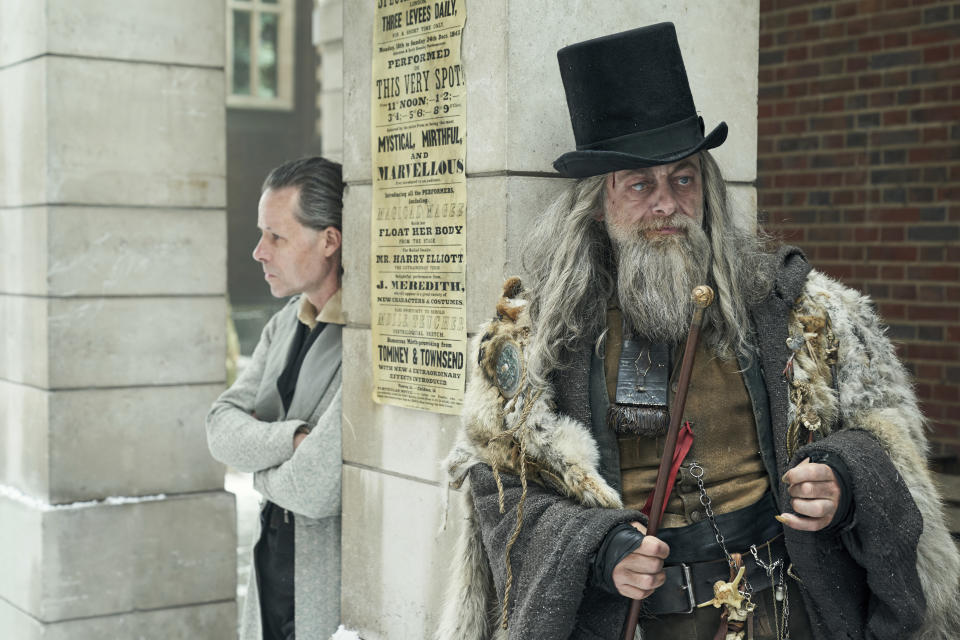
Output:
[[655, 277]]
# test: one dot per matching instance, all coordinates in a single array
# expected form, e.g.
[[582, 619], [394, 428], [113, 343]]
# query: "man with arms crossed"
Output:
[[281, 419]]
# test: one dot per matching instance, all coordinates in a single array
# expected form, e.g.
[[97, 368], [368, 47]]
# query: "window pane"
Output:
[[267, 54], [241, 53]]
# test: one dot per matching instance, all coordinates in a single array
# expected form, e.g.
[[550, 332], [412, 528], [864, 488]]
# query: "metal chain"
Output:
[[697, 472]]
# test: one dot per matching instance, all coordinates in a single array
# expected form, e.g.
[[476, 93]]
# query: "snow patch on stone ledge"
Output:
[[343, 633], [12, 493]]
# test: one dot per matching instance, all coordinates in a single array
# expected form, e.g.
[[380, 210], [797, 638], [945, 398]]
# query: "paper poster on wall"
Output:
[[418, 229]]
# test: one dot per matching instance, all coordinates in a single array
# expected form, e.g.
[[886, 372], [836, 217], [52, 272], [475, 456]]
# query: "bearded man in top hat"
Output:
[[799, 503]]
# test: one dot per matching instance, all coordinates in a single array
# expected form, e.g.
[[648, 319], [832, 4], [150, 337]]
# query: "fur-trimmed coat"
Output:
[[892, 574]]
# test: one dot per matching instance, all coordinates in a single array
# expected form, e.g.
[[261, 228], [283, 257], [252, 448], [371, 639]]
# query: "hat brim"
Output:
[[594, 162]]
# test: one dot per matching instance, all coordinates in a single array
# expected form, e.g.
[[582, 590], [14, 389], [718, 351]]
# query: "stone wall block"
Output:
[[136, 341], [24, 441], [98, 148], [357, 204], [113, 341], [23, 340], [167, 31], [149, 440], [390, 593], [23, 131], [329, 21], [405, 441], [29, 37], [743, 201], [23, 262], [485, 52], [72, 251], [216, 621], [104, 559], [357, 61]]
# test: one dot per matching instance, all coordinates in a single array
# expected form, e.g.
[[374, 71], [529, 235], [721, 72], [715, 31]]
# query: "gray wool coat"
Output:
[[248, 430]]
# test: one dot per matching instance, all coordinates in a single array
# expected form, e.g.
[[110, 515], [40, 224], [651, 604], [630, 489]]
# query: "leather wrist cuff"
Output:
[[617, 545]]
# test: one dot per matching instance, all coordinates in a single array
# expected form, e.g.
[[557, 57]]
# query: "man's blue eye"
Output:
[[684, 180], [640, 186]]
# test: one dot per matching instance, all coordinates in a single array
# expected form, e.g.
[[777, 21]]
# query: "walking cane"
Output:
[[702, 298]]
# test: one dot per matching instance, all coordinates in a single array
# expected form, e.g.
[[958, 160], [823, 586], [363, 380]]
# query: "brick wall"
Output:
[[859, 164]]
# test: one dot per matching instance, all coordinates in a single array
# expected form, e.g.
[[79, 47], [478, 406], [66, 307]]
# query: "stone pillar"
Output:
[[328, 36], [112, 316], [395, 562]]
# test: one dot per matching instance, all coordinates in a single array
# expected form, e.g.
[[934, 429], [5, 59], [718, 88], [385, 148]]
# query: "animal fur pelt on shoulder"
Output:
[[873, 392], [504, 433]]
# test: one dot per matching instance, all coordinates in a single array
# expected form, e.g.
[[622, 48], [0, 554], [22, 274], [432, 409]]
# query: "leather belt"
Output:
[[688, 585]]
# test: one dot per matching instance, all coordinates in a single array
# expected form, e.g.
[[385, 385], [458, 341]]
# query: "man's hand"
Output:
[[815, 495], [641, 572], [299, 435]]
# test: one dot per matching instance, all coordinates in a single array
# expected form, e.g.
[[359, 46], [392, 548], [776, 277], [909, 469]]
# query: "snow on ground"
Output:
[[248, 508], [345, 634]]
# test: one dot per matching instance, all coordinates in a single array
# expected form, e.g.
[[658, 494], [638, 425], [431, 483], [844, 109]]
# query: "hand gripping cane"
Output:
[[702, 298]]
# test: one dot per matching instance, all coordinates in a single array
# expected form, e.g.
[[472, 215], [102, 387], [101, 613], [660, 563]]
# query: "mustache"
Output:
[[639, 231]]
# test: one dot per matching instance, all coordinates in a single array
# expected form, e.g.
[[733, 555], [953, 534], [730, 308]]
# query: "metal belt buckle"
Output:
[[688, 586]]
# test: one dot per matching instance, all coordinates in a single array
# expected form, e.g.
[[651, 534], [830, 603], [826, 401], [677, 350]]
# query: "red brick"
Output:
[[891, 272], [797, 18], [785, 109], [853, 254], [895, 253], [891, 234], [768, 199], [894, 118], [866, 234], [827, 253], [833, 142], [930, 371], [936, 54], [858, 27], [769, 127], [932, 272], [866, 271], [870, 81], [931, 35], [842, 198], [930, 293], [797, 54], [839, 271], [903, 292], [833, 104], [766, 75], [953, 334], [856, 64], [933, 154], [806, 107], [945, 393], [798, 71], [882, 99], [939, 314], [794, 127], [797, 89], [892, 311], [937, 353], [845, 9], [764, 111], [899, 20], [833, 30], [855, 178], [935, 134], [894, 40], [870, 44]]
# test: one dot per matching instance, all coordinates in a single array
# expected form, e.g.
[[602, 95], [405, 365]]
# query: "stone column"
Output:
[[395, 562], [328, 34], [112, 317]]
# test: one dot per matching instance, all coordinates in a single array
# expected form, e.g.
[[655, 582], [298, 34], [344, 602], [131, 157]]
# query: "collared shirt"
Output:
[[332, 312]]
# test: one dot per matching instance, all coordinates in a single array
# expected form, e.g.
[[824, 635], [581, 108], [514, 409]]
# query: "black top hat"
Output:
[[630, 103]]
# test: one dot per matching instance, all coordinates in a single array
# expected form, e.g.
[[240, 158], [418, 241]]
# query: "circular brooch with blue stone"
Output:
[[509, 369]]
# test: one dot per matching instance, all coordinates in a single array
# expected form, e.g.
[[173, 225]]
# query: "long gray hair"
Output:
[[571, 272]]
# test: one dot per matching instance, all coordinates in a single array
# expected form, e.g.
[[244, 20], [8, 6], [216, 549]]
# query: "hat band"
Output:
[[654, 142]]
